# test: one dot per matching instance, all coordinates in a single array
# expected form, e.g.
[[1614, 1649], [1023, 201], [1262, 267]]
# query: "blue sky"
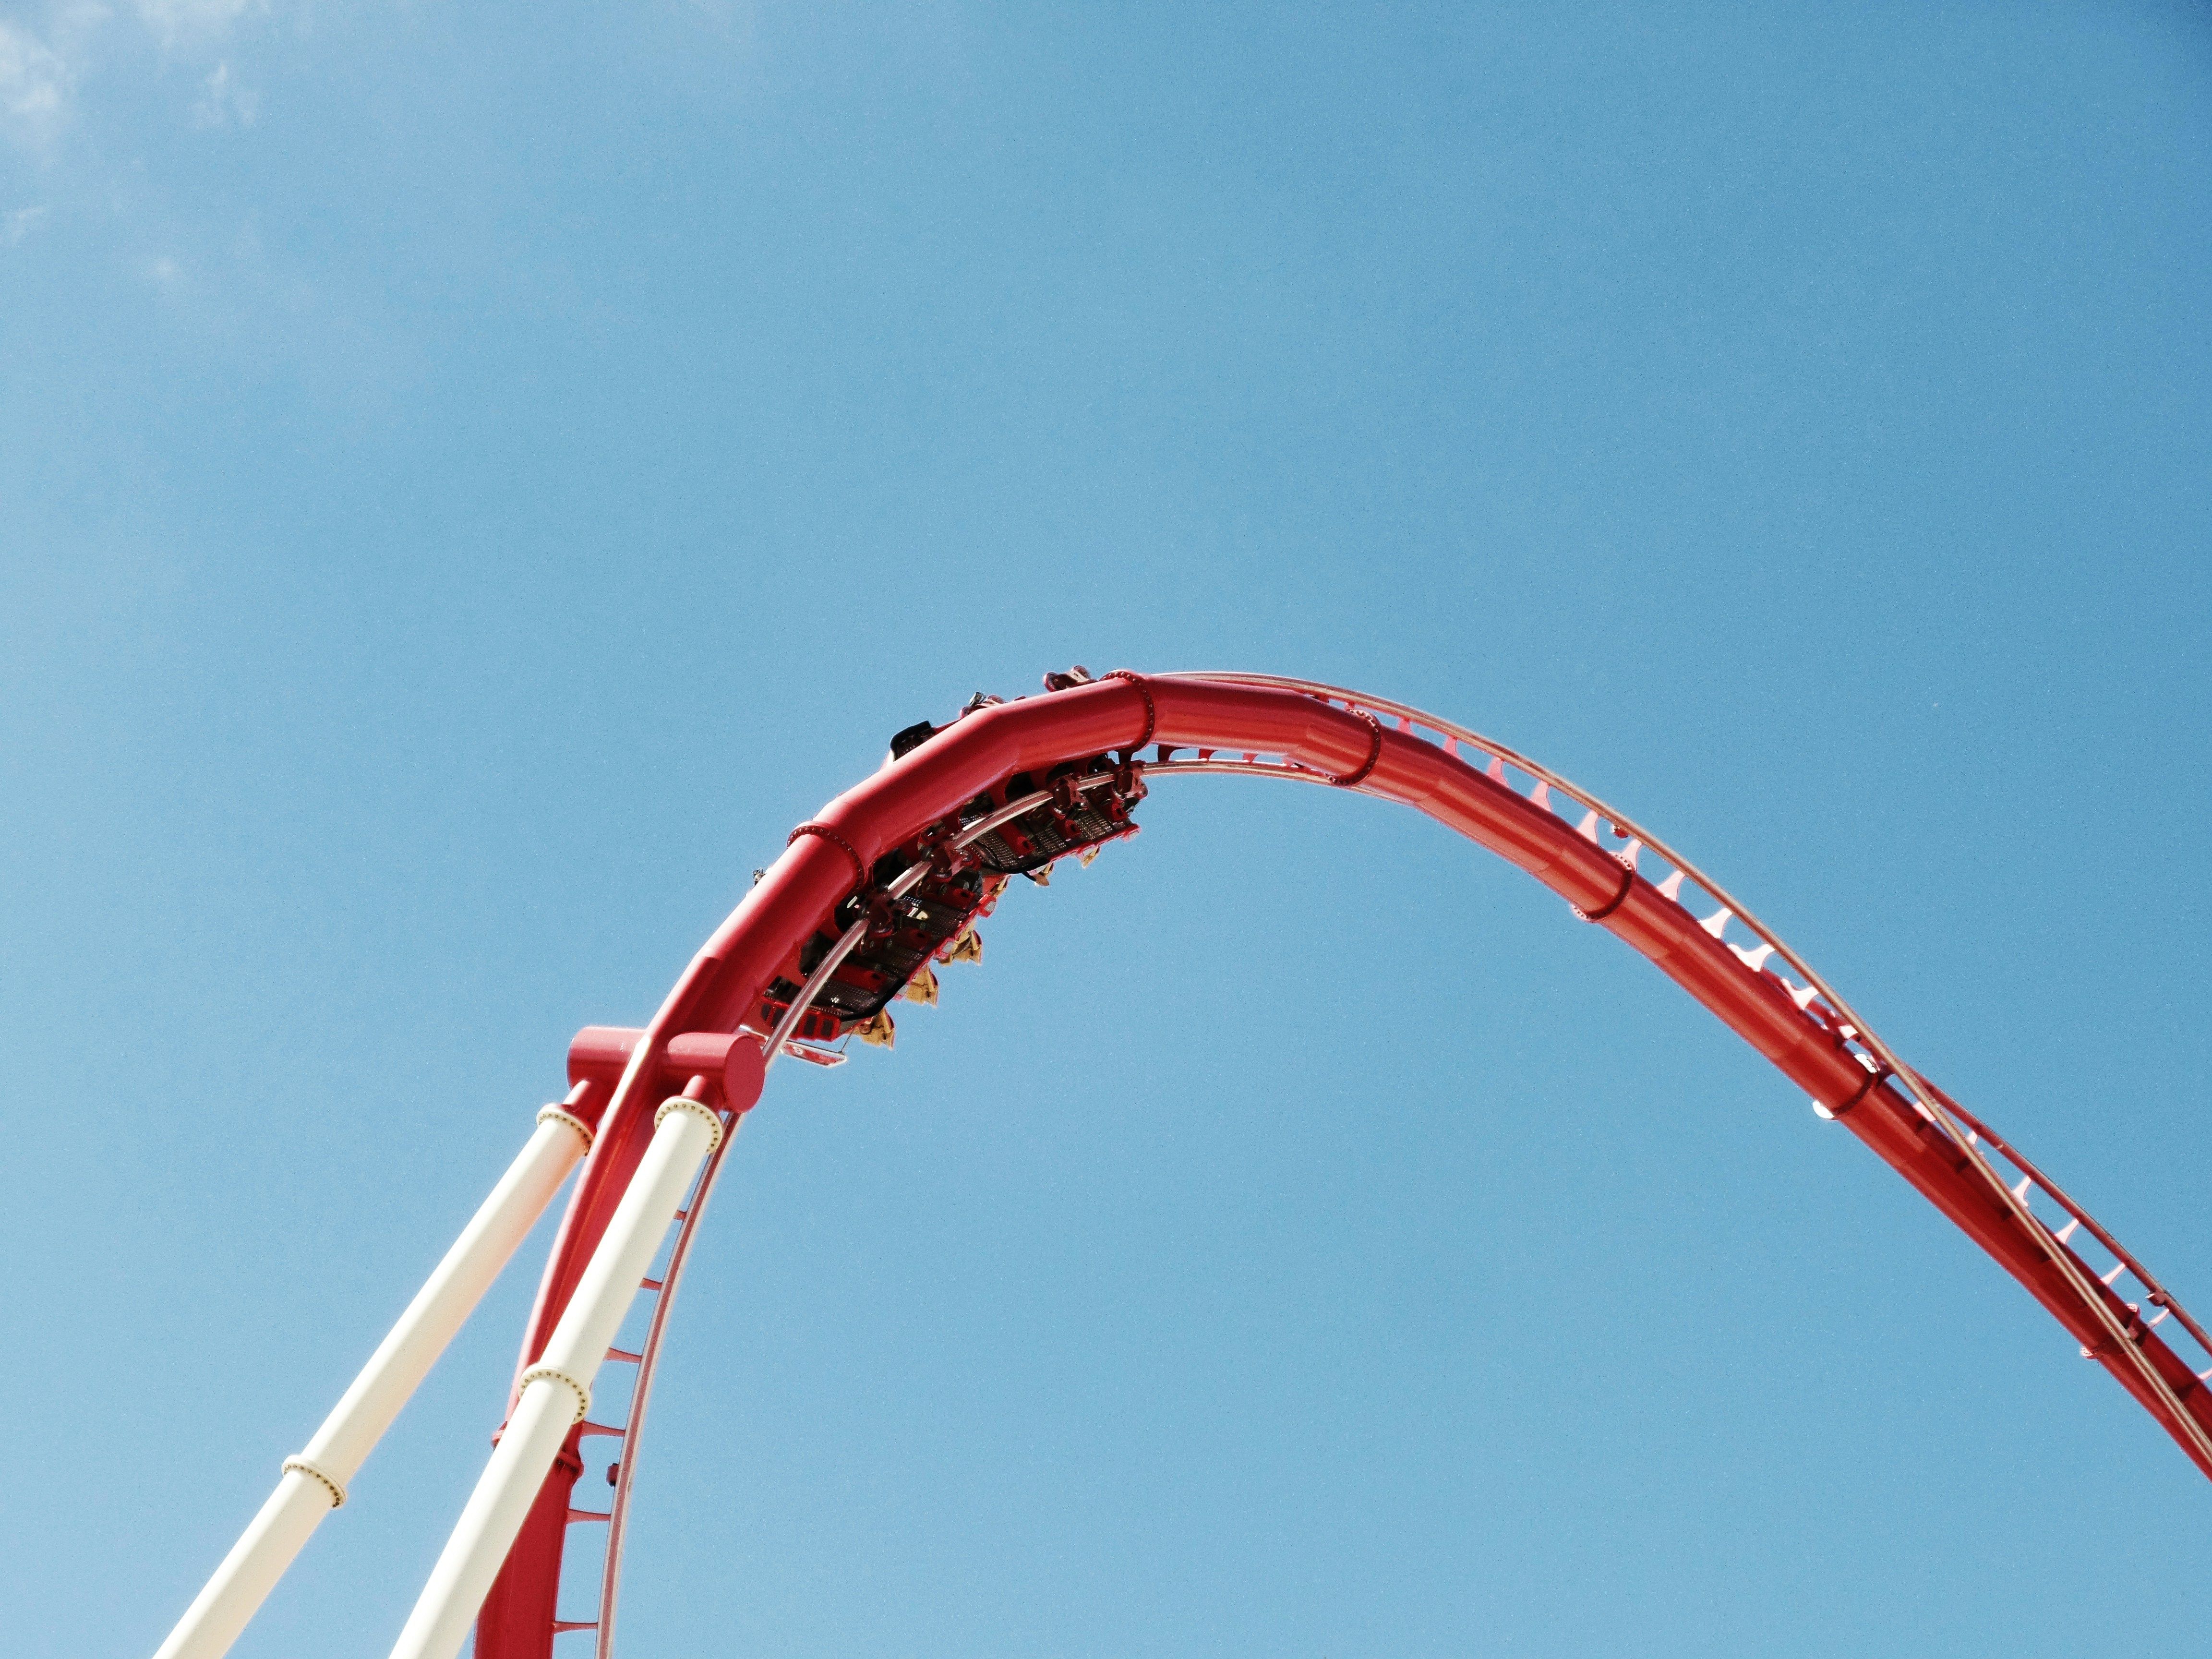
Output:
[[472, 477]]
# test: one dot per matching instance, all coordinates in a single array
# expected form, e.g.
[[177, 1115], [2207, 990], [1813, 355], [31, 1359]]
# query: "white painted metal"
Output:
[[314, 1482], [252, 1569], [557, 1391]]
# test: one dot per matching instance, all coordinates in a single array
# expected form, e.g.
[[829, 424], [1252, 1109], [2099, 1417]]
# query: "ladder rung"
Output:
[[575, 1515], [561, 1626], [624, 1354]]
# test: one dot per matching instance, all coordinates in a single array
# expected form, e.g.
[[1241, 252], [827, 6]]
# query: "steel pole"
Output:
[[556, 1390], [314, 1482]]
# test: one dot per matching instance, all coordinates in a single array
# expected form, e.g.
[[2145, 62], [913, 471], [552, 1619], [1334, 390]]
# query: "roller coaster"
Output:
[[887, 884]]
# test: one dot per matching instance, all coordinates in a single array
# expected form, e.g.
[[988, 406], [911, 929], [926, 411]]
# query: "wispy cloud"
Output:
[[21, 223], [35, 84], [176, 20], [49, 62], [222, 100]]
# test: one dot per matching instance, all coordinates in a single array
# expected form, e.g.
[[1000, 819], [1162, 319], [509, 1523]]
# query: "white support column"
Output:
[[314, 1482], [557, 1391]]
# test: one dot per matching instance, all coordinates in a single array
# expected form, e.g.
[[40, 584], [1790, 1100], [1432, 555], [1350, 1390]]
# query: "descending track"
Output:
[[893, 876], [882, 834]]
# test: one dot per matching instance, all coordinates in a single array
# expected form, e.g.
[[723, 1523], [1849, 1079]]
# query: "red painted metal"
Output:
[[523, 1602], [731, 1062], [1317, 740]]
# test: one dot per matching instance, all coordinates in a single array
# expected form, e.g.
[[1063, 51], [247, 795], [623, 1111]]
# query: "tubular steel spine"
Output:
[[1305, 732], [931, 827], [2166, 1395]]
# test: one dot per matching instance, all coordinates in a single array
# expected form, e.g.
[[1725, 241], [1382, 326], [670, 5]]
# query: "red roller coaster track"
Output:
[[1078, 753]]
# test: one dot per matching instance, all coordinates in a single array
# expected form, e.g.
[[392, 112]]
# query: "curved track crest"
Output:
[[873, 844]]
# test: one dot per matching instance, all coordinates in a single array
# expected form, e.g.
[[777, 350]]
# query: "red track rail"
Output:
[[1319, 734]]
